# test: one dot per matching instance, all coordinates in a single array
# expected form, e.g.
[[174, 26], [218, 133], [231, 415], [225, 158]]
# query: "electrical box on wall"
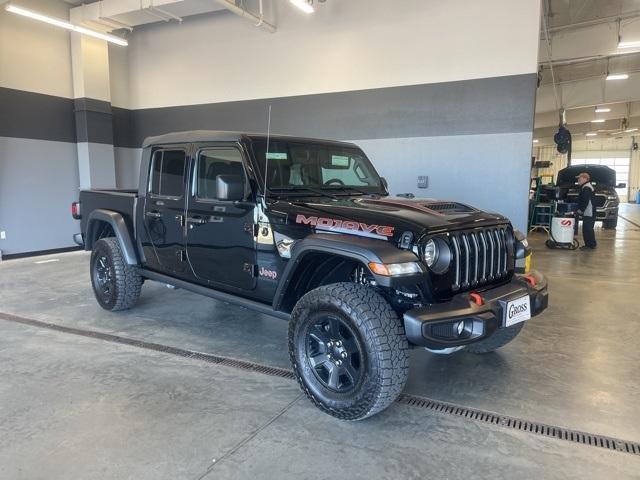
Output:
[[423, 181]]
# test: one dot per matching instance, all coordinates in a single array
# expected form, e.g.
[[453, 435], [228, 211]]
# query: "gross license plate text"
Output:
[[517, 311]]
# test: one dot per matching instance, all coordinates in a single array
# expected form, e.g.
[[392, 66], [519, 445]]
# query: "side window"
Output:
[[167, 173], [214, 162]]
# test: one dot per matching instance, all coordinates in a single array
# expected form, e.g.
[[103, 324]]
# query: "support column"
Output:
[[94, 127]]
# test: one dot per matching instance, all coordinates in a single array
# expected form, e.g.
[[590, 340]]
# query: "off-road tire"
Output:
[[126, 280], [380, 334], [499, 339], [610, 224]]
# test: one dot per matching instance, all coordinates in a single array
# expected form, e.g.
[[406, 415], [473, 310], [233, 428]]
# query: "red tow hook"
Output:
[[476, 298], [530, 280]]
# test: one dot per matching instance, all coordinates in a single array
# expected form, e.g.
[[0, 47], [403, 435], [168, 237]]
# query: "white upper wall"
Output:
[[34, 56], [345, 45]]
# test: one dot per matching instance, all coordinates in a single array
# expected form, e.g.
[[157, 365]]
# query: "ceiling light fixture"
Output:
[[634, 44], [598, 120], [591, 134], [629, 130], [602, 110], [66, 25], [535, 140], [303, 5], [617, 76]]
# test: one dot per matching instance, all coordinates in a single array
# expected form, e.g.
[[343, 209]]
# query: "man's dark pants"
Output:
[[588, 233]]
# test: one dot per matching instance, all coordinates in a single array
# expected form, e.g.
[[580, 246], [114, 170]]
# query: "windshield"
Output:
[[305, 167]]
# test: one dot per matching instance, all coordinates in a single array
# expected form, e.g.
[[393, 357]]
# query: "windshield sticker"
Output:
[[339, 161], [276, 156], [348, 225]]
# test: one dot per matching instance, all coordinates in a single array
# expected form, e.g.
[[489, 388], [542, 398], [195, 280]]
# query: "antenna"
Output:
[[266, 155]]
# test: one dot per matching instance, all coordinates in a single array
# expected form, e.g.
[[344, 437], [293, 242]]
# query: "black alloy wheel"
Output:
[[116, 284], [104, 277], [334, 353]]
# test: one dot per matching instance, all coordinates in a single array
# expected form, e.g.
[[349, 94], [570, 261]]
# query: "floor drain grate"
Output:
[[536, 428], [180, 352], [505, 421]]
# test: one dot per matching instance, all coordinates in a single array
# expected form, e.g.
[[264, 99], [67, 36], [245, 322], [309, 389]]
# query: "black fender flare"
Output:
[[119, 226], [362, 249]]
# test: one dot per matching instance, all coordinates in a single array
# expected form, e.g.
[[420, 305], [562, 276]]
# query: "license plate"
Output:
[[517, 311]]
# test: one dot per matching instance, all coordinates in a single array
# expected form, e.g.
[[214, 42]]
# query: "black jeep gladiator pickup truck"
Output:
[[305, 230]]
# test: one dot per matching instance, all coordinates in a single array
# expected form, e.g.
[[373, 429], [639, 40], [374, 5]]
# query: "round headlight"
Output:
[[437, 255], [430, 253]]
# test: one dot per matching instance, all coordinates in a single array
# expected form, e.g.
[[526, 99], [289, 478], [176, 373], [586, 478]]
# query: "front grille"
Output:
[[479, 257], [600, 199]]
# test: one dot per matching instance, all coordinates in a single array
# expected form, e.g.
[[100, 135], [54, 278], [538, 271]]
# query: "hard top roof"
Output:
[[195, 136]]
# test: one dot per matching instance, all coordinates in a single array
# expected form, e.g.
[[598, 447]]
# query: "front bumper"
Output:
[[434, 326], [606, 213]]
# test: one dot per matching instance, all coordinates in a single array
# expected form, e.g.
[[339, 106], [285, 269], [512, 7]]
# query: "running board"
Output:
[[215, 294]]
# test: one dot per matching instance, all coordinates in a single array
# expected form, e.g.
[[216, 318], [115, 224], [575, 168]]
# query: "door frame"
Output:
[[191, 197]]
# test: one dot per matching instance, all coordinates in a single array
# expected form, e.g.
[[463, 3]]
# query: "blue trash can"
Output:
[[638, 197]]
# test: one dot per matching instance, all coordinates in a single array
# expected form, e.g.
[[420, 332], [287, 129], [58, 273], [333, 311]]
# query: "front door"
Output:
[[164, 210], [220, 234]]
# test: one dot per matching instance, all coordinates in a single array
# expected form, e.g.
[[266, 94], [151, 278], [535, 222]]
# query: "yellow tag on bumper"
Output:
[[527, 263]]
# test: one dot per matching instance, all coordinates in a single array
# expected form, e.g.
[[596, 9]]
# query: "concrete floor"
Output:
[[74, 407]]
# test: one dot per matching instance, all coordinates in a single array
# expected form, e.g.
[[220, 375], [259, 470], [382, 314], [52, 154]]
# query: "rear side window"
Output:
[[167, 173], [215, 162]]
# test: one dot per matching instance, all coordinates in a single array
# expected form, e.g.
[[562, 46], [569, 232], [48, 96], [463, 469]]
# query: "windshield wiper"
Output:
[[356, 189], [301, 188]]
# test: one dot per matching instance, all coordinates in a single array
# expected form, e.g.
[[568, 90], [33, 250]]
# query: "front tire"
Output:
[[499, 339], [348, 350], [610, 224], [116, 284]]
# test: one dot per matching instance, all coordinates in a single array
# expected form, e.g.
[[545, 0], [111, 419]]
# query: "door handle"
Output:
[[197, 220], [153, 214]]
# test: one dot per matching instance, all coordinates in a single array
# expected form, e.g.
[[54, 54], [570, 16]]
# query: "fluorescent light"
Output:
[[598, 120], [591, 134], [602, 110], [535, 140], [634, 44], [629, 130], [303, 5], [66, 25], [618, 76]]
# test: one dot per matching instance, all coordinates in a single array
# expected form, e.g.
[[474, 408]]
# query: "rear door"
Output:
[[220, 237], [164, 209]]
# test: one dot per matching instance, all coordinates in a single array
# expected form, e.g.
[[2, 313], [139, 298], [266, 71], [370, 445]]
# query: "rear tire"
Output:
[[499, 339], [348, 349], [116, 284]]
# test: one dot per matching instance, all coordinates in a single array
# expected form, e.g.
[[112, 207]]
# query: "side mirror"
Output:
[[229, 187], [621, 185]]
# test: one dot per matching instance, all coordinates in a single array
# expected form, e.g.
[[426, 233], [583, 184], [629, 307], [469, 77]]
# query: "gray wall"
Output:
[[471, 137], [421, 88], [38, 182]]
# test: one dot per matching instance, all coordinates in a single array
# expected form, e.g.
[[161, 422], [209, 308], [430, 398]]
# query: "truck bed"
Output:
[[122, 201]]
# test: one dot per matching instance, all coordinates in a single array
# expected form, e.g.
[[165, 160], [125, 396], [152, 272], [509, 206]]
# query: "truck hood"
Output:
[[383, 216]]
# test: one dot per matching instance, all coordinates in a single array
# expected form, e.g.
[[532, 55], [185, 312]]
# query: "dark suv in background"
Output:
[[603, 179]]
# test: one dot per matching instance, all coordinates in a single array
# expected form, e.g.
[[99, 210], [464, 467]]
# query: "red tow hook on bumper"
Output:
[[476, 298]]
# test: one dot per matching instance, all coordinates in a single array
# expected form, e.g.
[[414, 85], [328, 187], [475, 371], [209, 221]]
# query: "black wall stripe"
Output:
[[37, 116], [93, 120], [481, 106]]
